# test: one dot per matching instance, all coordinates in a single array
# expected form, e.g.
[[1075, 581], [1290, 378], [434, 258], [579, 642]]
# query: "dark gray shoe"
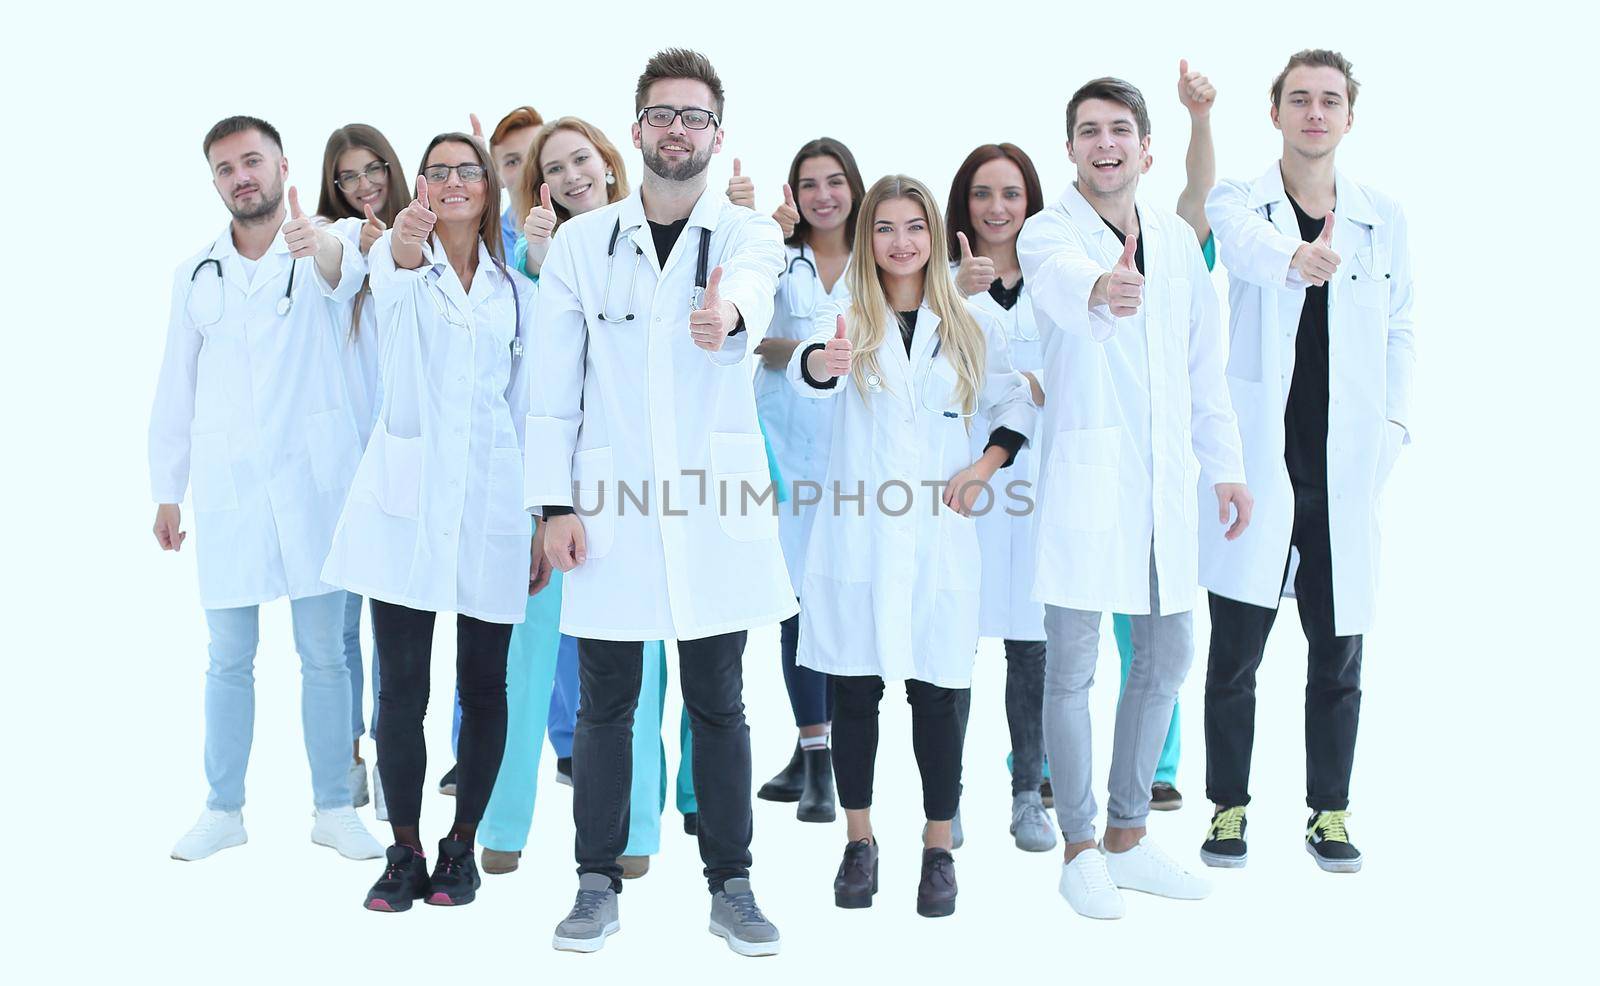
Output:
[[593, 917], [1030, 826], [936, 894], [737, 920], [857, 879]]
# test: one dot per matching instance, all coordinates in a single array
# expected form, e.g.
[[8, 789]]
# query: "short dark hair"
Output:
[[678, 63], [1114, 91], [238, 125], [1320, 58]]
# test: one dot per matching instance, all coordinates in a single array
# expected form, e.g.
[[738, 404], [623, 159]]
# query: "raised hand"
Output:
[[975, 273], [710, 324], [1195, 91], [414, 224], [541, 221], [371, 230], [1125, 285], [299, 232], [836, 354], [1316, 261], [741, 190], [787, 215]]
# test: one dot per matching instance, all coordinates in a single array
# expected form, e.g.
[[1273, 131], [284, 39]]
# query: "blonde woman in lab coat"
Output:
[[891, 576]]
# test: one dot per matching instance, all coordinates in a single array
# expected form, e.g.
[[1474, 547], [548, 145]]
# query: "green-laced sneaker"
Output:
[[1224, 845], [1328, 842]]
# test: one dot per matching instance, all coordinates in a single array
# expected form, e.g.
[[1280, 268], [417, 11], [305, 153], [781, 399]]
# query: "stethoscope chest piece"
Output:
[[874, 383], [284, 304]]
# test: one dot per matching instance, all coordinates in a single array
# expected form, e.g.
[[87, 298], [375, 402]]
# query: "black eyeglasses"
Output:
[[439, 173], [348, 180], [661, 117]]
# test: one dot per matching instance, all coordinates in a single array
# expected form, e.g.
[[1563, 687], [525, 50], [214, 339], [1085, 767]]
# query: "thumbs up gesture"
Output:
[[541, 221], [299, 232], [1125, 285], [835, 355], [741, 190], [787, 215], [710, 323], [1195, 91], [975, 273], [1316, 261], [371, 230], [414, 224], [477, 129]]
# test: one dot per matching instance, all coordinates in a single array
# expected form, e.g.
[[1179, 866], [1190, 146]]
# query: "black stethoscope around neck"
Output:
[[285, 304], [702, 272]]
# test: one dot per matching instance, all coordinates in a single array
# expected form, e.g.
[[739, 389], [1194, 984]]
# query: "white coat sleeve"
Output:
[[823, 326], [173, 411], [1248, 245], [1061, 275], [352, 270], [517, 386], [557, 356], [1401, 360], [751, 263], [1212, 423], [1006, 400]]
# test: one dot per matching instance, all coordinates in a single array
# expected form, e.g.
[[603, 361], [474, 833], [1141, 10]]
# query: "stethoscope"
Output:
[[444, 311], [285, 304], [701, 272], [810, 306], [875, 385]]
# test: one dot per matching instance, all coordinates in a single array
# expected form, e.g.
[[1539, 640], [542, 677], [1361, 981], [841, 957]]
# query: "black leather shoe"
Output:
[[787, 784], [936, 894], [858, 875], [816, 799]]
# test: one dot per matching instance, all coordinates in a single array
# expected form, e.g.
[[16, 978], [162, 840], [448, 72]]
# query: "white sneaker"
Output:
[[380, 807], [341, 830], [215, 830], [1088, 888], [1149, 870], [358, 784]]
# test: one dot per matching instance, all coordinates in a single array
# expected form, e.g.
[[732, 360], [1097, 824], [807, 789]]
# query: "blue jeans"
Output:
[[352, 663], [324, 699]]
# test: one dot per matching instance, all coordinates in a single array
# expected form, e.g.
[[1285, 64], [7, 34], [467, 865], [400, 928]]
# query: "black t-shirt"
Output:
[[1006, 297], [1305, 416], [1138, 250], [666, 236], [908, 327]]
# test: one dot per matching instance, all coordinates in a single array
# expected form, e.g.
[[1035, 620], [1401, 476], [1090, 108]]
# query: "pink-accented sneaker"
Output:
[[405, 879], [455, 879]]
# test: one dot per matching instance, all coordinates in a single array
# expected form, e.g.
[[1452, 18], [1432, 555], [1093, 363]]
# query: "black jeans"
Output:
[[405, 638], [1333, 676], [810, 692], [1024, 712], [710, 675], [935, 739]]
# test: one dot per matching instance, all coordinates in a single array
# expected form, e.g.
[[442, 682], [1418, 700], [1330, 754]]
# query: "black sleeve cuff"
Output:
[[805, 371], [1010, 441], [737, 328], [556, 510]]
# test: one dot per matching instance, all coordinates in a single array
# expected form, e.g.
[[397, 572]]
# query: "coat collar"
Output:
[[1351, 200], [1090, 223], [485, 281], [224, 250], [705, 214]]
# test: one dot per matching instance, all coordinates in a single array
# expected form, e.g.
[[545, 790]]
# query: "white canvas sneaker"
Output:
[[1088, 887], [215, 830], [341, 830], [1147, 869]]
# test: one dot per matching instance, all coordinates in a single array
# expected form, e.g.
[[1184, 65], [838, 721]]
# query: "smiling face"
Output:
[[248, 171], [454, 200], [511, 153], [823, 194], [675, 152], [1314, 113], [370, 188], [997, 201], [1106, 146], [901, 244], [574, 170]]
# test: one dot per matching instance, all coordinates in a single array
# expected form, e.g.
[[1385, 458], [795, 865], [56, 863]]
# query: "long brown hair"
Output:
[[958, 215], [489, 221], [332, 204], [526, 193], [827, 147]]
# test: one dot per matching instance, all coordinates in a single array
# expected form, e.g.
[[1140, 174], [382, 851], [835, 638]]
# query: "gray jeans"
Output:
[[1163, 648]]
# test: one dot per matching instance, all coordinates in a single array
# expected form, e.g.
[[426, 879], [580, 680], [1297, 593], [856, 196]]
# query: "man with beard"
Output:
[[643, 418], [251, 412]]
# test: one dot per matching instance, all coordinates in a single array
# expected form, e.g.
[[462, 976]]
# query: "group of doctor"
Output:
[[887, 428]]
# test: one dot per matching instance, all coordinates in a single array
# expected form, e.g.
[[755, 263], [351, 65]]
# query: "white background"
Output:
[[1474, 788]]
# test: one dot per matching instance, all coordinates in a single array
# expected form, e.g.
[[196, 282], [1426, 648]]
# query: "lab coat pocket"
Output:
[[211, 473], [742, 487], [594, 497], [334, 448], [958, 549], [1370, 277], [1083, 479], [1393, 437], [939, 390], [506, 513], [402, 474]]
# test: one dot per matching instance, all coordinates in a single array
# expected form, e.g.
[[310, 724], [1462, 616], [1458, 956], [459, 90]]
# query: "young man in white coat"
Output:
[[642, 416], [1136, 415], [252, 415], [1319, 367]]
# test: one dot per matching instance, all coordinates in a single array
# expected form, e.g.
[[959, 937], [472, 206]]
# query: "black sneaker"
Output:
[[405, 879], [1164, 797], [1047, 794], [447, 783], [691, 823], [564, 771], [1329, 843], [455, 877], [1224, 845]]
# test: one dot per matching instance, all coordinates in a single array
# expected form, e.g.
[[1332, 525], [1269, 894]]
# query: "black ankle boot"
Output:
[[816, 797], [787, 783]]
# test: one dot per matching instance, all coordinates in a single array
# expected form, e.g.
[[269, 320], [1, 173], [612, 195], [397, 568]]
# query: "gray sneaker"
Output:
[[1029, 823], [736, 918], [956, 835], [593, 917]]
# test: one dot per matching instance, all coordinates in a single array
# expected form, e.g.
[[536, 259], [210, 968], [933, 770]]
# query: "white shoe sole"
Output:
[[587, 944], [1223, 862], [744, 947], [1334, 866], [370, 854], [227, 843], [1036, 847]]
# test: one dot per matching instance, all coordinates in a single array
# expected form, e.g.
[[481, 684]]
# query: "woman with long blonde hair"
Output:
[[892, 568]]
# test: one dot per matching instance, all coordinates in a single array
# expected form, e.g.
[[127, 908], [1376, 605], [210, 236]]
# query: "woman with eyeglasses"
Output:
[[360, 201], [821, 202], [891, 580], [435, 519]]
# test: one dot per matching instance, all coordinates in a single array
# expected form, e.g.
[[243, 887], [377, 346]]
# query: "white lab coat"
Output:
[[1370, 364], [435, 518], [1136, 413], [358, 351], [799, 429], [252, 411], [897, 596], [635, 409], [1006, 536]]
